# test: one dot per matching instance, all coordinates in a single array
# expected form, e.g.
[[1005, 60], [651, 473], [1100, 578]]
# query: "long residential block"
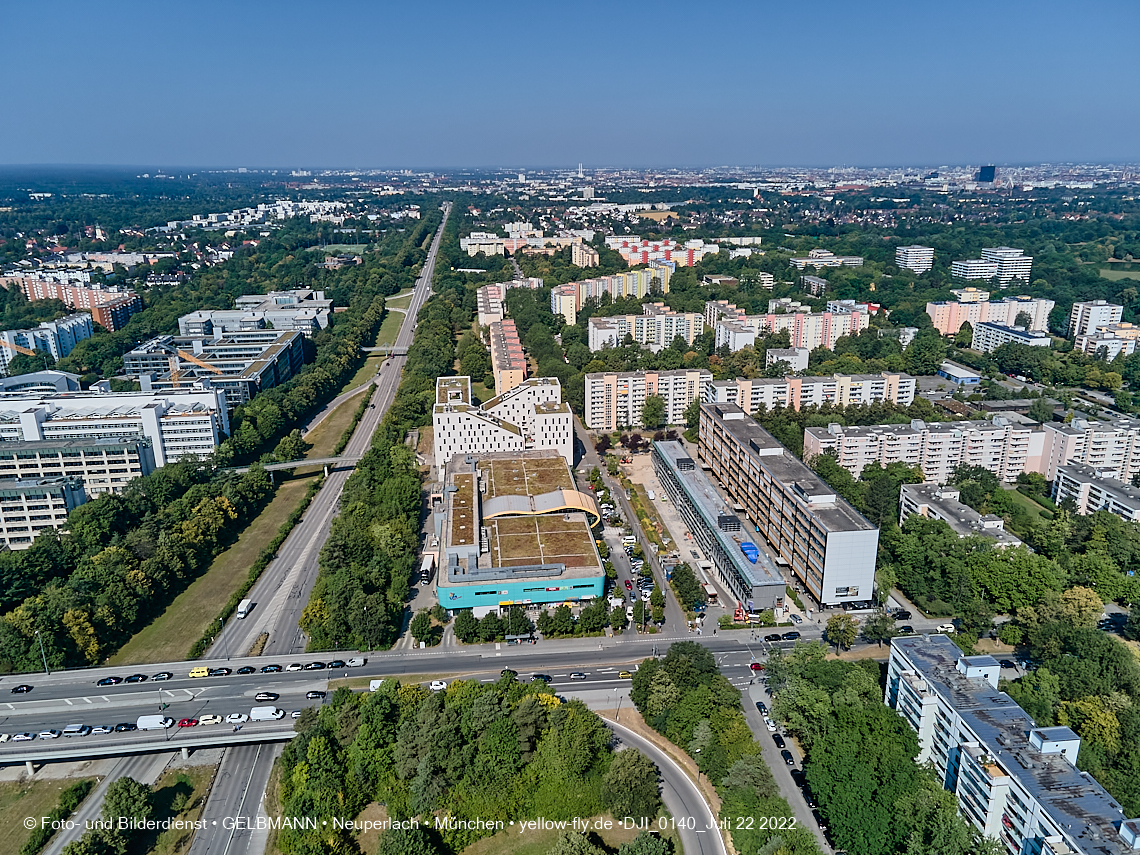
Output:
[[1095, 490], [826, 543], [508, 361], [614, 399], [940, 502], [1014, 781], [101, 465], [948, 317], [655, 328], [838, 390], [29, 506], [567, 300], [57, 338]]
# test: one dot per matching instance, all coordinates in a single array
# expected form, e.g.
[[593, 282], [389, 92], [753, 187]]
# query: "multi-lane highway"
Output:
[[284, 587]]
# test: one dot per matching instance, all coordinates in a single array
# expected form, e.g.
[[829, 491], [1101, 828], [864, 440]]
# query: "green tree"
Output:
[[646, 844], [421, 627], [466, 627], [965, 335], [841, 631], [1041, 410], [291, 447], [22, 363], [573, 843], [879, 627], [629, 787], [693, 415], [653, 411], [410, 841], [490, 627]]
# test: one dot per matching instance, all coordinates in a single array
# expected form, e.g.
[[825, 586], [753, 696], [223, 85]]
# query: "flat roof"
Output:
[[828, 510], [97, 445], [523, 473], [453, 390], [708, 502], [962, 519], [1075, 802]]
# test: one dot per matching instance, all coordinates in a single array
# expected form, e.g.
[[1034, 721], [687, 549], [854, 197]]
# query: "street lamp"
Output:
[[698, 762], [42, 653]]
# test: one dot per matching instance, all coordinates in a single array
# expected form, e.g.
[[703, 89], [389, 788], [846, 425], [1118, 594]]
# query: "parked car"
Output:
[[315, 666], [902, 614], [509, 672], [103, 728], [162, 675], [779, 740], [756, 666], [23, 737], [628, 585], [795, 618], [798, 777], [762, 708], [336, 663], [220, 672], [1007, 663], [437, 685], [788, 758], [295, 714], [266, 696], [246, 669], [137, 678], [126, 727], [294, 666], [946, 627], [906, 629], [771, 725]]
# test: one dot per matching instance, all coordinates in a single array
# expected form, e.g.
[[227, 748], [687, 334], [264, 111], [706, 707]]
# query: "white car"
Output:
[[210, 719], [23, 737], [946, 627], [296, 666], [50, 734], [771, 725], [437, 685], [237, 718], [4, 737]]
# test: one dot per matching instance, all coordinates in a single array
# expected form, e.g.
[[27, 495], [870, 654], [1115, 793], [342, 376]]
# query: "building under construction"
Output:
[[239, 363]]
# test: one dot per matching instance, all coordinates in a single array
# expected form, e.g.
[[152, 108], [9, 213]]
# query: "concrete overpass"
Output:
[[330, 464]]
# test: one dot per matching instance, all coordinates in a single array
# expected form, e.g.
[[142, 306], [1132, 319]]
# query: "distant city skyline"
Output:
[[455, 85]]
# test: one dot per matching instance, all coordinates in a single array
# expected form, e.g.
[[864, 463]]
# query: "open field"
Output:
[[193, 784], [389, 328], [1029, 505], [19, 799], [526, 477], [169, 636], [518, 541], [324, 436], [1117, 275]]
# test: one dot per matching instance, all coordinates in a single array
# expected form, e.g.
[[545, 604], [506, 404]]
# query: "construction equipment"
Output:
[[18, 348], [189, 357]]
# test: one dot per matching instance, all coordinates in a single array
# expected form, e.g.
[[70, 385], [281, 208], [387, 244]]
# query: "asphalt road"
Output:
[[236, 800], [283, 590]]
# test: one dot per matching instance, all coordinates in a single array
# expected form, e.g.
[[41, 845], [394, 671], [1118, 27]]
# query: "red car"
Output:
[[756, 666], [188, 722], [628, 585]]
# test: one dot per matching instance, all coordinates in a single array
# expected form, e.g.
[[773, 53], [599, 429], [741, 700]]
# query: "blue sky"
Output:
[[449, 84]]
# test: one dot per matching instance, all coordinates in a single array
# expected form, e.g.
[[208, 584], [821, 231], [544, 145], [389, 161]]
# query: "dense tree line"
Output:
[[859, 759], [497, 752], [684, 697]]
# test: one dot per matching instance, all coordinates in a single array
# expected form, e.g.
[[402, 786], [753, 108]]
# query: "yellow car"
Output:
[[200, 672], [625, 675]]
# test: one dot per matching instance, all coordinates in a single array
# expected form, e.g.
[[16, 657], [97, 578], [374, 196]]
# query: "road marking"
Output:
[[68, 701]]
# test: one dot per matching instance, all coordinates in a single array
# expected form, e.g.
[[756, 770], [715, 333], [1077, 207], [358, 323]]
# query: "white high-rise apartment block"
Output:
[[837, 389], [1087, 316], [974, 268], [529, 416], [989, 337], [615, 399], [1011, 263], [915, 257], [1092, 491], [57, 337], [655, 328], [1014, 781]]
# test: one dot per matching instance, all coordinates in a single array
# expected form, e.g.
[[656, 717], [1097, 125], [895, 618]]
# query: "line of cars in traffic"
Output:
[[790, 761]]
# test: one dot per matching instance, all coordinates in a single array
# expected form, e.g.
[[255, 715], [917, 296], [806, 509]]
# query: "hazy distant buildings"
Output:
[[826, 258], [916, 258]]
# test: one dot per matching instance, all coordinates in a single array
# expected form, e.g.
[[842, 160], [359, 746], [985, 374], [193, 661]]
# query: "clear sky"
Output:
[[445, 84]]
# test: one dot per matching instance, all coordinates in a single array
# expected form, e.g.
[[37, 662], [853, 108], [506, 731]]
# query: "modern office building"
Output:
[[941, 502], [755, 584], [915, 257], [515, 532], [38, 383], [57, 338], [490, 302], [948, 317], [655, 328], [239, 363], [583, 255], [528, 416], [29, 506], [1095, 490], [101, 465], [989, 337], [796, 358], [301, 309], [508, 361], [188, 421], [1014, 781], [797, 392], [828, 545], [614, 400], [826, 258], [1001, 446], [1085, 317], [568, 299]]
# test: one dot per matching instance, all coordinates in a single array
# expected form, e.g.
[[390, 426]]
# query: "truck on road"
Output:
[[154, 722], [244, 607], [265, 714]]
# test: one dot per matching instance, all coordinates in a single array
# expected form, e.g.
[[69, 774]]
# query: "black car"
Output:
[[125, 727], [109, 681], [220, 672], [162, 675], [246, 669], [779, 740], [22, 689], [902, 614], [788, 758], [1007, 663], [315, 666], [509, 672], [809, 797], [137, 678], [314, 695], [271, 669], [798, 777], [790, 636], [337, 663], [906, 630], [546, 678], [762, 708], [819, 820], [266, 696], [773, 637]]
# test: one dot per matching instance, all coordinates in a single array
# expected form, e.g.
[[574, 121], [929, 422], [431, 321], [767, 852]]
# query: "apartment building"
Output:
[[29, 506], [826, 258], [239, 363], [530, 415], [614, 400], [755, 582], [301, 309], [637, 251], [989, 337], [111, 308], [57, 337], [917, 258], [101, 465], [1095, 490], [942, 502], [1000, 446], [1085, 317], [1104, 345], [508, 361], [584, 255], [806, 330], [970, 294], [814, 285], [490, 301], [796, 358], [655, 328], [826, 543], [1011, 263], [797, 392], [1014, 781], [567, 300], [974, 268], [948, 317]]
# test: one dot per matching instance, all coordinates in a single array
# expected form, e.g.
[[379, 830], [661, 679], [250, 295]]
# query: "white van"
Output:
[[356, 662], [265, 714], [77, 730], [154, 722], [629, 539], [243, 608]]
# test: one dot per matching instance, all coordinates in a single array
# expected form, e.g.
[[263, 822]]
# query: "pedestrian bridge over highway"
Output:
[[330, 463]]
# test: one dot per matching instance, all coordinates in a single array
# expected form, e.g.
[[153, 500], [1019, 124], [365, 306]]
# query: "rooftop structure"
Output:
[[958, 374], [717, 530], [1014, 781], [824, 541], [300, 309], [941, 502], [508, 362]]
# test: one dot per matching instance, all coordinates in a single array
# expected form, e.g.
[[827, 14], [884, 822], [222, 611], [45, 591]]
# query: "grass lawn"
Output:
[[193, 785], [19, 800], [185, 620], [363, 374], [1031, 506], [513, 841], [344, 248], [399, 298], [1116, 275], [389, 328], [324, 436], [482, 392]]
